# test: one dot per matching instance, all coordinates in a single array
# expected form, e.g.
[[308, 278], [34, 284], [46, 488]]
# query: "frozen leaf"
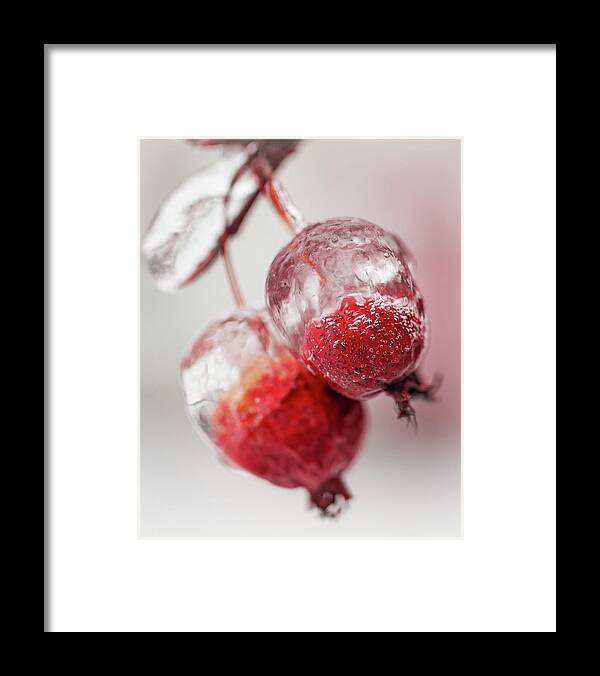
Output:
[[185, 235], [190, 226]]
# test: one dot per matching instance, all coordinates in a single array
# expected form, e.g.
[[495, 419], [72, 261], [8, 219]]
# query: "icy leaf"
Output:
[[184, 236]]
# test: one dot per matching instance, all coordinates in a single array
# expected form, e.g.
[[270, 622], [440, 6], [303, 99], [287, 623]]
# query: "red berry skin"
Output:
[[364, 345], [268, 415], [343, 298], [288, 427]]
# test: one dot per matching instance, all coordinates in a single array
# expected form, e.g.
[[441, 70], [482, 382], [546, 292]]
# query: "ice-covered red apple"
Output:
[[266, 413], [343, 297]]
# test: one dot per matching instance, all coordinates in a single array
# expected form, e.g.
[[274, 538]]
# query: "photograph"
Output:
[[300, 338], [279, 375]]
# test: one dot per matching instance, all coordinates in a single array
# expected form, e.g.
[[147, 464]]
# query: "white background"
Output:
[[501, 577], [404, 484]]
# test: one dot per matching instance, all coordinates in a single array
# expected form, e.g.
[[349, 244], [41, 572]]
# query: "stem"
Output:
[[284, 205], [278, 196], [231, 277]]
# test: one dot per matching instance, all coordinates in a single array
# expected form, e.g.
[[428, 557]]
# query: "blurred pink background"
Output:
[[404, 484]]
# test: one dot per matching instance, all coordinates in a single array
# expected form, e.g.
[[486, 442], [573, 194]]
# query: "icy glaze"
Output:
[[183, 238], [343, 297], [185, 235]]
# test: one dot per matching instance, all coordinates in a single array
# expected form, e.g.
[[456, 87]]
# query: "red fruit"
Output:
[[364, 345], [271, 417], [343, 297]]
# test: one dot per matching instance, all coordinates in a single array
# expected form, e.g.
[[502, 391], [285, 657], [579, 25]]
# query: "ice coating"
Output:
[[214, 364], [266, 413], [185, 235], [343, 297], [183, 238]]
